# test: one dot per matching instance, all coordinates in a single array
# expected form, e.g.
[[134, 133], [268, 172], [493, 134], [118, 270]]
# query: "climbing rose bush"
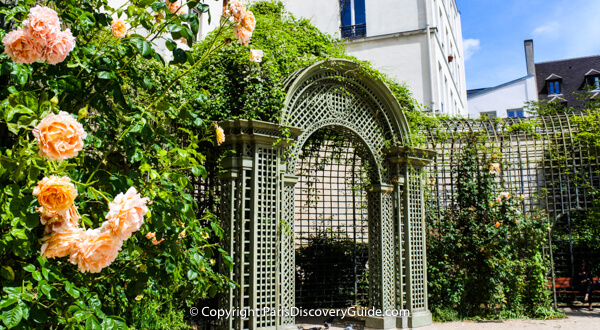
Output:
[[40, 39], [220, 134], [59, 222], [94, 250], [85, 164], [484, 253], [55, 194], [59, 136], [119, 29], [60, 244], [126, 214]]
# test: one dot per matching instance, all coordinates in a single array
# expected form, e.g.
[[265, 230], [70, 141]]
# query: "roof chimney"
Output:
[[529, 57]]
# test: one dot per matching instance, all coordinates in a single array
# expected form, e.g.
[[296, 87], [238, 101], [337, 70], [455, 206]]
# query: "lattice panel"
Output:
[[266, 234], [388, 253], [331, 214], [329, 100], [246, 252], [231, 204], [227, 216], [375, 249], [399, 238], [418, 272], [555, 172], [288, 264]]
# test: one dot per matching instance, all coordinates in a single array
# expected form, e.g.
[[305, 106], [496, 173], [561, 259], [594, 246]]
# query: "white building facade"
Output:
[[416, 42], [508, 99]]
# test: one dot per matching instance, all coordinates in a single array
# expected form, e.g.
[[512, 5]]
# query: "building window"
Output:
[[594, 81], [515, 113], [354, 23], [553, 87], [489, 114]]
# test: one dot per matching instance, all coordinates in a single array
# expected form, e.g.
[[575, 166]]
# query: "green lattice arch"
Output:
[[258, 182], [340, 94]]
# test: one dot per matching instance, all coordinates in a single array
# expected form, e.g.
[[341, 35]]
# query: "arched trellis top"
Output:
[[340, 94]]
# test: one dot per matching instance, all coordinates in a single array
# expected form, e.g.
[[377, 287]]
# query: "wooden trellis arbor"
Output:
[[258, 197]]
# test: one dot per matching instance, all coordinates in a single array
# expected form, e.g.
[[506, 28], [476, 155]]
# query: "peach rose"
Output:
[[256, 55], [59, 136], [220, 133], [59, 48], [248, 21], [174, 7], [119, 29], [504, 195], [55, 193], [59, 221], [95, 250], [42, 23], [61, 244], [21, 48], [236, 10], [126, 214], [242, 35]]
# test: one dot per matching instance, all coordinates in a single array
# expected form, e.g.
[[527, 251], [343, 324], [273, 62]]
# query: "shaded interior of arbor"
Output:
[[576, 238], [557, 174], [331, 215]]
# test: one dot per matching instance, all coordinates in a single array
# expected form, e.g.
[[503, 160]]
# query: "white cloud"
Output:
[[549, 29], [470, 47]]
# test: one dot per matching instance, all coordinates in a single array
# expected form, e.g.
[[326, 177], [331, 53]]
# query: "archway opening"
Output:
[[331, 221]]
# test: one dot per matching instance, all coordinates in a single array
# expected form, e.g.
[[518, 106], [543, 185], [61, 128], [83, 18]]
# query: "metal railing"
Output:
[[354, 31]]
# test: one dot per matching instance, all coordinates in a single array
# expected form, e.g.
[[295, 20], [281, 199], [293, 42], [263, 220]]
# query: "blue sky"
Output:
[[494, 31]]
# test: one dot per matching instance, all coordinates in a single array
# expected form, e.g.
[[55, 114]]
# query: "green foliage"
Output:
[[484, 255], [528, 126], [545, 108], [151, 143], [589, 127]]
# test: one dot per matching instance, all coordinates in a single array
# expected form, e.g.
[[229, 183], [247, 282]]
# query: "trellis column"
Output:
[[381, 255], [253, 183], [412, 258]]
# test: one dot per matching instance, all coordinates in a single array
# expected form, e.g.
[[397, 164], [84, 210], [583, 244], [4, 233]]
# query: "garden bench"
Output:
[[563, 285]]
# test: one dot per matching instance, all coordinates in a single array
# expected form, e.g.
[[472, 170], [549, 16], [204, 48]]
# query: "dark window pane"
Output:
[[553, 87], [359, 12], [346, 12]]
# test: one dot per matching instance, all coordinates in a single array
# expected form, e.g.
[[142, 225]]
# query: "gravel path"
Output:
[[578, 318]]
